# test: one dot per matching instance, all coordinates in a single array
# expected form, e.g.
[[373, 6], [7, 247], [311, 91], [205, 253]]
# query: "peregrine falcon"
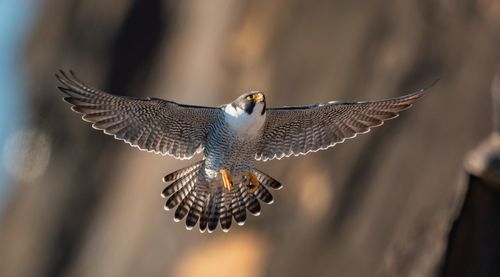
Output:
[[225, 184]]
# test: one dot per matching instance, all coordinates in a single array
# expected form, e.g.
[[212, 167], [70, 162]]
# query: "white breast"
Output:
[[242, 123]]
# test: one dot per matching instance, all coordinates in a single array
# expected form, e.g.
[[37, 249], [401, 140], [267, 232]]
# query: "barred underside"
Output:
[[210, 204]]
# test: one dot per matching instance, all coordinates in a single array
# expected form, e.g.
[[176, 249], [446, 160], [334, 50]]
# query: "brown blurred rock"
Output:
[[393, 193]]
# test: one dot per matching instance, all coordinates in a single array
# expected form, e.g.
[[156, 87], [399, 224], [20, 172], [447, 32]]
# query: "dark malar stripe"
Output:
[[249, 106]]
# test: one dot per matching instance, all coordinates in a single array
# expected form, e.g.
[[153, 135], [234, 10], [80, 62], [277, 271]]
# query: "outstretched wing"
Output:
[[151, 124], [302, 129]]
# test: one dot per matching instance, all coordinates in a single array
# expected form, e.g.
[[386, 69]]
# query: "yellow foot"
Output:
[[227, 180], [253, 181]]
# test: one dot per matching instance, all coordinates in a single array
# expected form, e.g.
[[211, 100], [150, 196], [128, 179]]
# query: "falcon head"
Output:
[[254, 101]]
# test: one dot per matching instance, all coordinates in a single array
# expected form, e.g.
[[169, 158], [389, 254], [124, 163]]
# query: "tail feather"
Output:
[[213, 216], [179, 195], [264, 195], [251, 202], [178, 174], [238, 208], [267, 180], [185, 205], [178, 184], [211, 204], [183, 209], [225, 212], [206, 214], [199, 194]]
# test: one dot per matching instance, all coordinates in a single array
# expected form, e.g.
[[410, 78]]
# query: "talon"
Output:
[[253, 181], [227, 180]]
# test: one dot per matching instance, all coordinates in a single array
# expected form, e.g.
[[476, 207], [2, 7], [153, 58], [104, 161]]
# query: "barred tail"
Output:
[[210, 203]]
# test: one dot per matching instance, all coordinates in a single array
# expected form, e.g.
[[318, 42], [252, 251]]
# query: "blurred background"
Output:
[[74, 202]]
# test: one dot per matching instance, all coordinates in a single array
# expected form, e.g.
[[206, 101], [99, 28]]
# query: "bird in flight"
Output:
[[224, 185]]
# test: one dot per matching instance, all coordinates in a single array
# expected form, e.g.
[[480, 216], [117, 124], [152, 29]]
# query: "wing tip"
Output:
[[433, 83], [61, 75], [421, 92], [68, 83]]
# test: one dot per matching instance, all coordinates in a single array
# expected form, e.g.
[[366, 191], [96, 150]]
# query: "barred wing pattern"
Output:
[[151, 124], [302, 129]]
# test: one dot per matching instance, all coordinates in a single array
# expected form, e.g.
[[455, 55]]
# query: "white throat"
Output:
[[242, 123]]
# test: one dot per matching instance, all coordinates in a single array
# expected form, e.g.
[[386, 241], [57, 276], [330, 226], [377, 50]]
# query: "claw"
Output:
[[227, 180], [253, 181]]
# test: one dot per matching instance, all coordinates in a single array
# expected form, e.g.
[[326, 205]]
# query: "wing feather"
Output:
[[299, 130], [151, 124]]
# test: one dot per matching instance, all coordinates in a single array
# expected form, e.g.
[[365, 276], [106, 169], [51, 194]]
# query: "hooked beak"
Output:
[[258, 97]]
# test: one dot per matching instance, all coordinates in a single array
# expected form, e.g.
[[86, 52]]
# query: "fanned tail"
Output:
[[210, 203]]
